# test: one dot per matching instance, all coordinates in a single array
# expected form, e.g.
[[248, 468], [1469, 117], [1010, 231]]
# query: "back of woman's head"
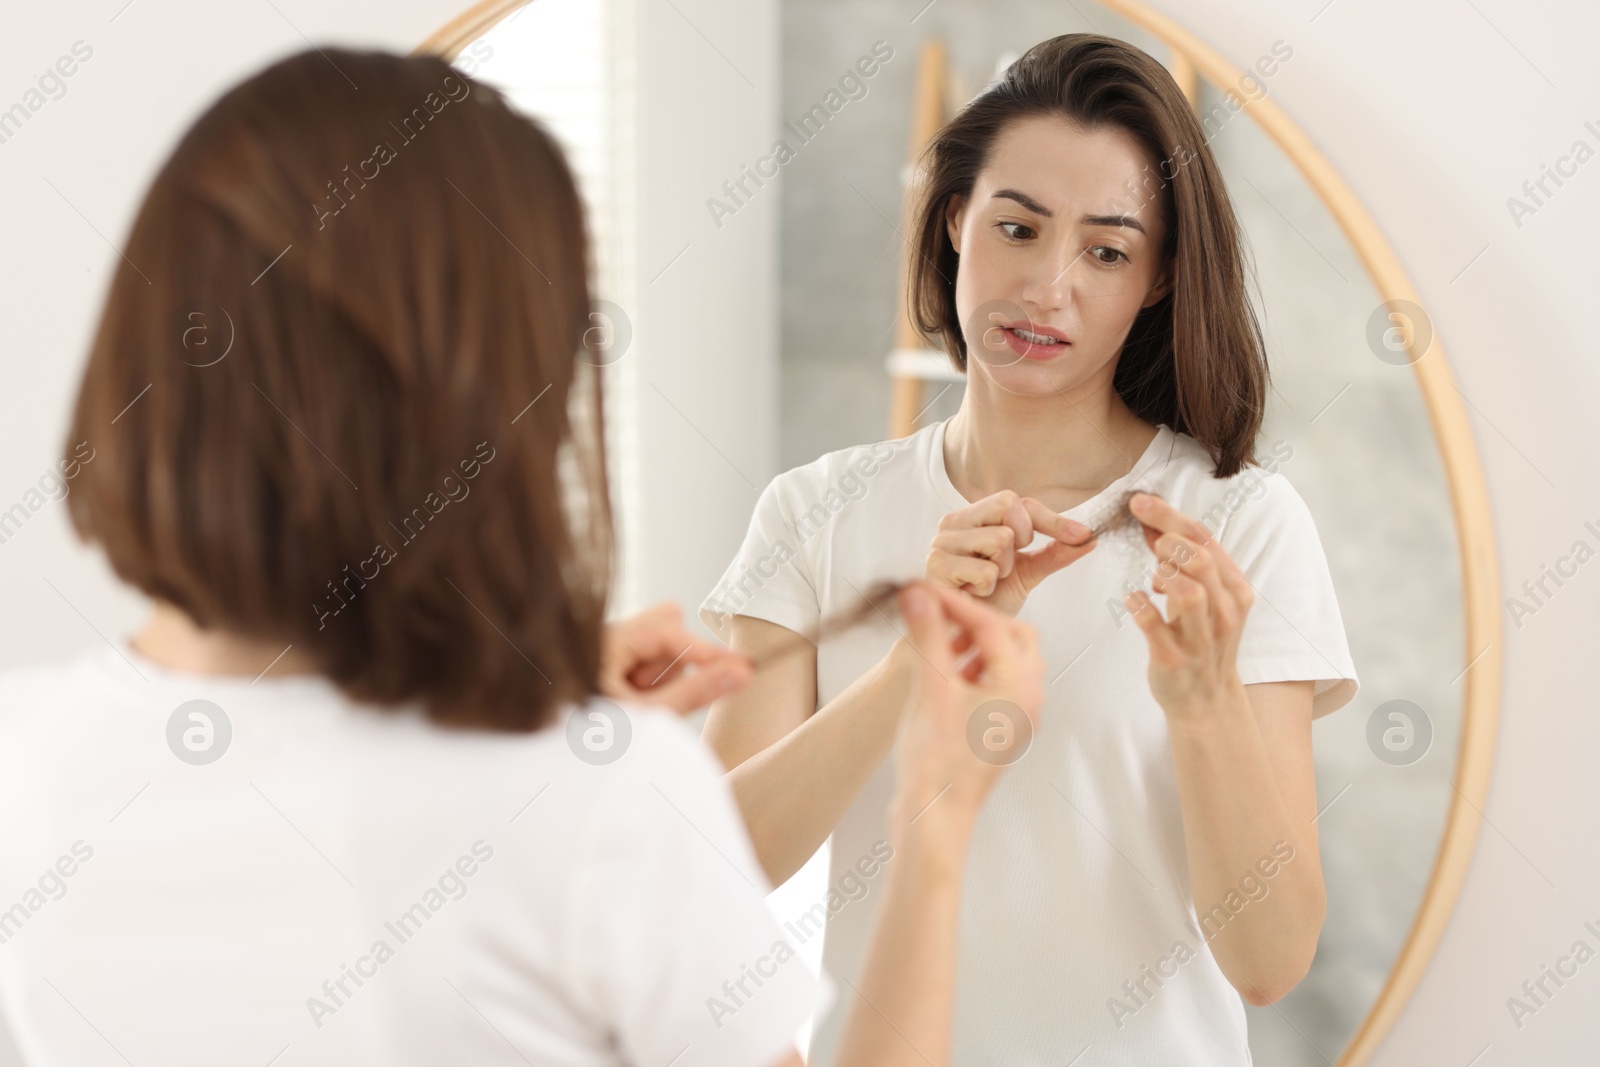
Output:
[[309, 391]]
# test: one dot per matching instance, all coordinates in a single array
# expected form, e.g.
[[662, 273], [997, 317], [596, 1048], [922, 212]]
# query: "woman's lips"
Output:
[[1033, 349]]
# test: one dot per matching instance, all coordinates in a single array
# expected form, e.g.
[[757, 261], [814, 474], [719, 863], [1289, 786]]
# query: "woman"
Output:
[[1151, 859], [353, 795]]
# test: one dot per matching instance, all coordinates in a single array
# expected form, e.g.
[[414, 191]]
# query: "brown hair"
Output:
[[1195, 360], [312, 387]]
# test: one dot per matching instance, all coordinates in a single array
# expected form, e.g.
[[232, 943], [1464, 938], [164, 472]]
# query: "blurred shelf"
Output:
[[922, 364]]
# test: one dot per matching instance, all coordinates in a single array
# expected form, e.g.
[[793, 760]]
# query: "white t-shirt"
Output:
[[1077, 878], [346, 885]]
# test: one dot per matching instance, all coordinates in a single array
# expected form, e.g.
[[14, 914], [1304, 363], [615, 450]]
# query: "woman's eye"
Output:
[[1107, 255], [1008, 229]]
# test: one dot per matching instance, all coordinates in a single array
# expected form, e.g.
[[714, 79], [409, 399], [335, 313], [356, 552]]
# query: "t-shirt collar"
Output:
[[1155, 455]]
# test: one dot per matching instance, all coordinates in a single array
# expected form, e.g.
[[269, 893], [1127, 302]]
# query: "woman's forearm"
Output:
[[900, 1012], [1261, 928], [793, 793]]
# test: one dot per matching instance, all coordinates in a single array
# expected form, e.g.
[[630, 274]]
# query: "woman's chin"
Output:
[[1026, 377]]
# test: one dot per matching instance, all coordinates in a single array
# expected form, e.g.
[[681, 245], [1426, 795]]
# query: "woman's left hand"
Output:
[[650, 658], [1194, 651]]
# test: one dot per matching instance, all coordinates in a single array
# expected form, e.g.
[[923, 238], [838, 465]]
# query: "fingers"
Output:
[[1189, 611], [687, 692], [1190, 601], [1154, 511], [920, 606], [963, 572], [652, 658], [994, 543], [1227, 592], [1165, 520], [995, 635], [980, 546], [1189, 629], [1004, 508], [1200, 564], [1071, 540], [1186, 544], [945, 654], [673, 663], [1001, 654], [1157, 631], [1054, 524]]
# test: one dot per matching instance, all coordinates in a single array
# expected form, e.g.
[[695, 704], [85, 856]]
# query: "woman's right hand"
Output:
[[980, 549], [651, 658], [947, 760]]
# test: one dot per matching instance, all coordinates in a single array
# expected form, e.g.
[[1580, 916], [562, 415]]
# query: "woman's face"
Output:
[[1060, 245]]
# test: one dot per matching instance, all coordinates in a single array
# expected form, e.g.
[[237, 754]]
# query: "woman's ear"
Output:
[[1163, 284], [954, 210]]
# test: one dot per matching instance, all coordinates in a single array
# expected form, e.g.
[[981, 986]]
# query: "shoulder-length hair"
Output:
[[1195, 360], [329, 391]]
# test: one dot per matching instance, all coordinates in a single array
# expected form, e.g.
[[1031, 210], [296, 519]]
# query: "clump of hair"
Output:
[[1119, 518]]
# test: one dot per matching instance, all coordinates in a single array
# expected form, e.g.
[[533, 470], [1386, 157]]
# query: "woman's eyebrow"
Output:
[[1026, 201], [1088, 220], [1115, 220]]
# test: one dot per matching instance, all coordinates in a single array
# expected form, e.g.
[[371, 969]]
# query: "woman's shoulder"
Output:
[[37, 694], [1259, 496], [595, 748], [651, 780], [644, 741], [621, 749]]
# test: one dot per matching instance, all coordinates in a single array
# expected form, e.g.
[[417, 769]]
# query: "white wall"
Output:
[[706, 296]]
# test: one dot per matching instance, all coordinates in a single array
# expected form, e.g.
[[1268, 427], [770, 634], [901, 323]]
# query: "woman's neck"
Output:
[[1060, 450], [172, 640]]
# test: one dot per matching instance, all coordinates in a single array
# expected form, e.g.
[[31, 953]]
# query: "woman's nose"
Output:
[[1050, 287]]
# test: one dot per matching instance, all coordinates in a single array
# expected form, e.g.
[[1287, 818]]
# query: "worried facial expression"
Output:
[[1060, 248]]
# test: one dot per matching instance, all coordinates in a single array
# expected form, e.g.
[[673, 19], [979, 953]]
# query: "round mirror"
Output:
[[1362, 418]]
